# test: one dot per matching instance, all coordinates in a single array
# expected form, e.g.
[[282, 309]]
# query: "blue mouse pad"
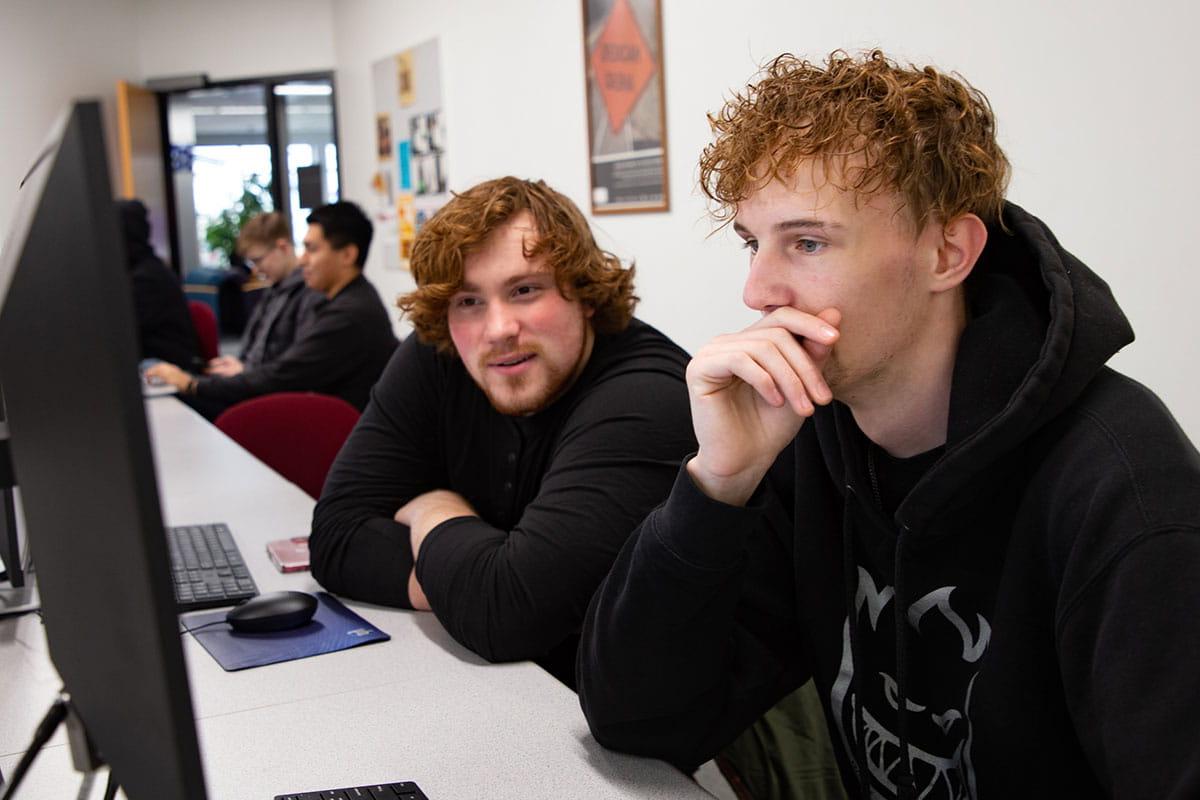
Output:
[[334, 627]]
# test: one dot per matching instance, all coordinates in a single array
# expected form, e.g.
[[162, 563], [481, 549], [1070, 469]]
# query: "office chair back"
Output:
[[205, 323], [297, 434]]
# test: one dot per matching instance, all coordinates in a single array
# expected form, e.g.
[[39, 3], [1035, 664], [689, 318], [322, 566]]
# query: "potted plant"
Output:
[[221, 234]]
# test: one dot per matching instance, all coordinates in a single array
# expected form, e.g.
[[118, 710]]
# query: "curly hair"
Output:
[[875, 126], [582, 270]]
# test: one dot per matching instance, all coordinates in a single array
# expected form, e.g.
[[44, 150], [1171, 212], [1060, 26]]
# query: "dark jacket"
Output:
[[1030, 605], [340, 352], [557, 492], [277, 320], [164, 324]]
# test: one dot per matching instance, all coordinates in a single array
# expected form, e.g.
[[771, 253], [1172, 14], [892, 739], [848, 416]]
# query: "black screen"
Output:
[[68, 357]]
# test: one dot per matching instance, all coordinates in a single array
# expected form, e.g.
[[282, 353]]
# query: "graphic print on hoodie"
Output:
[[939, 725]]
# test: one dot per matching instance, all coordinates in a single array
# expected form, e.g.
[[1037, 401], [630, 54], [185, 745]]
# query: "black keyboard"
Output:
[[406, 790], [207, 568]]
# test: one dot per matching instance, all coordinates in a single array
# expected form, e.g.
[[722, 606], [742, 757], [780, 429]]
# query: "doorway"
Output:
[[236, 149]]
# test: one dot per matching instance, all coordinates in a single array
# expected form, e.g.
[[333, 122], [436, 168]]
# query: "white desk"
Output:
[[420, 707]]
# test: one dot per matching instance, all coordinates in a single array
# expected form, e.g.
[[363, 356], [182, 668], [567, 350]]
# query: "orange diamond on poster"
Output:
[[622, 64]]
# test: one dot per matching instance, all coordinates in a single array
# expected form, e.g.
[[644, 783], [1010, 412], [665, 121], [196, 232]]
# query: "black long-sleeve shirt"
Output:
[[557, 492], [340, 352]]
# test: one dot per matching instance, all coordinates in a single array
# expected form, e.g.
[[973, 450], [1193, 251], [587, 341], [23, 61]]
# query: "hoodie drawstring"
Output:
[[850, 579], [905, 787]]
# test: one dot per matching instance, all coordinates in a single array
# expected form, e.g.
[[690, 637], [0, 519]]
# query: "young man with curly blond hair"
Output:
[[916, 483], [513, 444]]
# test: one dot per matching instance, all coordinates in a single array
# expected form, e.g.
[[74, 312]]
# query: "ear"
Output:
[[349, 255], [962, 241]]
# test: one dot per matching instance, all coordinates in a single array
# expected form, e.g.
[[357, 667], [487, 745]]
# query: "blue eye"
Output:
[[810, 246]]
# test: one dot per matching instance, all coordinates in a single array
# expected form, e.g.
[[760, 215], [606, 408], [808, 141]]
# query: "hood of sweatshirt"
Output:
[[1041, 325], [135, 228]]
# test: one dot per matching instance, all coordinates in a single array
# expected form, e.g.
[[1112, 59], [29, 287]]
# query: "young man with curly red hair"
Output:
[[917, 483], [513, 444]]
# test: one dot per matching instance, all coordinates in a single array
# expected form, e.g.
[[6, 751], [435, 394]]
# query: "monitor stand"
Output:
[[18, 587], [19, 599], [83, 753]]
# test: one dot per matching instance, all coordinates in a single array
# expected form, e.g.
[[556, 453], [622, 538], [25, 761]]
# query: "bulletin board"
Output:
[[410, 181]]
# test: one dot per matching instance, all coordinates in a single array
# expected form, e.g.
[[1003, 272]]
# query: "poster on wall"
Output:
[[627, 137], [410, 181], [404, 79], [383, 136]]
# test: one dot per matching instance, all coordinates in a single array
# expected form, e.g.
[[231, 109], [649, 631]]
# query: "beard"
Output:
[[522, 395], [536, 390]]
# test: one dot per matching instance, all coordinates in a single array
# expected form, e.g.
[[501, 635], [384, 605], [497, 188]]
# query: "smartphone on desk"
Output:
[[289, 555]]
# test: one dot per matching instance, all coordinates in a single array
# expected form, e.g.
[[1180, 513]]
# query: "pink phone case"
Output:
[[289, 555]]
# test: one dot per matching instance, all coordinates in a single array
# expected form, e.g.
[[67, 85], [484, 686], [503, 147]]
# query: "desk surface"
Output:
[[420, 707]]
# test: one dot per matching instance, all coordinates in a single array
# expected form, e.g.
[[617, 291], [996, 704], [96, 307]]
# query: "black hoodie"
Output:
[[164, 323], [1031, 604]]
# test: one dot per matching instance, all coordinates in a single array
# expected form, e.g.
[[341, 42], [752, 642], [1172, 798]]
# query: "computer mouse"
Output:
[[274, 611]]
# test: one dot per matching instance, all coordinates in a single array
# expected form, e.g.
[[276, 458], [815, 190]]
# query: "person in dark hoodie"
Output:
[[164, 325], [917, 482]]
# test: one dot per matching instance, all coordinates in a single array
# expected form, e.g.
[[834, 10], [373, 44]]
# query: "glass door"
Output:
[[307, 129], [221, 169], [237, 149]]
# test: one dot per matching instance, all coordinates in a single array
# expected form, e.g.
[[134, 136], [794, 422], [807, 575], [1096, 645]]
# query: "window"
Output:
[[241, 147]]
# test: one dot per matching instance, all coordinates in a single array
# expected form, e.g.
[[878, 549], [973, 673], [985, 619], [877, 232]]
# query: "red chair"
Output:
[[297, 434], [205, 323]]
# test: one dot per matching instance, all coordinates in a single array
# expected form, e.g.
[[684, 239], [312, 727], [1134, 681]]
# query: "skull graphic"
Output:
[[939, 724]]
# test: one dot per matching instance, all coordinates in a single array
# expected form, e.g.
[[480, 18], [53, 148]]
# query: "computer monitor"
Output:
[[68, 362]]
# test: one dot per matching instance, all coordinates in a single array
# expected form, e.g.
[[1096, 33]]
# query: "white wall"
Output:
[[54, 50], [50, 53], [1096, 103], [514, 104], [234, 39]]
